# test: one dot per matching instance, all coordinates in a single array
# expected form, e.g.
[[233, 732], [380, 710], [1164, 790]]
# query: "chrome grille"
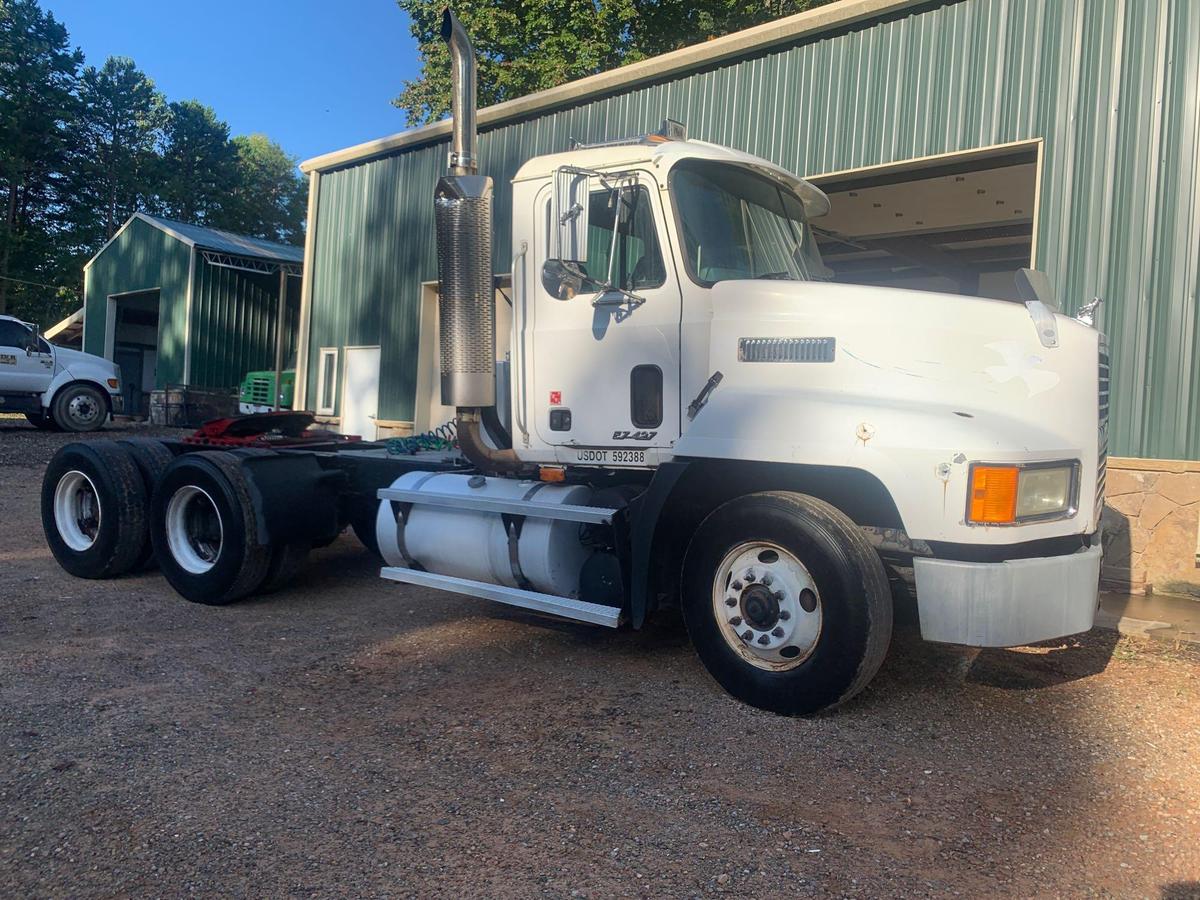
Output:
[[791, 350], [1102, 454]]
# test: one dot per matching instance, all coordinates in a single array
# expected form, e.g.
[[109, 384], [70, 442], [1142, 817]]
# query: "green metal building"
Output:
[[958, 141], [180, 305]]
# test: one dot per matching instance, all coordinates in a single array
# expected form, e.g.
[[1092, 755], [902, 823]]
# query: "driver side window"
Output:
[[639, 262], [14, 334]]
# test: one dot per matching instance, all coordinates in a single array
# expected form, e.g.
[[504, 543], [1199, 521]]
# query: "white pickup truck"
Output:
[[53, 386]]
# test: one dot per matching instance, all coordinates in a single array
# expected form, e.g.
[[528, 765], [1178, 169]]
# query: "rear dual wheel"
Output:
[[206, 533], [94, 509], [786, 602]]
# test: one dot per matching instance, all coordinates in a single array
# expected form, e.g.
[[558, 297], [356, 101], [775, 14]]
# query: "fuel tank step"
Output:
[[566, 607], [561, 511]]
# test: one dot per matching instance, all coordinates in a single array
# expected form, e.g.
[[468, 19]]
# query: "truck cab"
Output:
[[55, 387], [768, 450]]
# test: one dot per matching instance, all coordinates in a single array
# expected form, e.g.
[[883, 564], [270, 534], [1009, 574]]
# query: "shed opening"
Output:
[[959, 223]]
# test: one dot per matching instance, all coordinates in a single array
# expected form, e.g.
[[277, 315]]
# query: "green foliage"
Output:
[[118, 130], [38, 78], [198, 167], [267, 200], [525, 47], [81, 149]]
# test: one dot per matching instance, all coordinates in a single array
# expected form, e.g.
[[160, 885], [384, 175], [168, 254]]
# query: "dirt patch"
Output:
[[349, 736]]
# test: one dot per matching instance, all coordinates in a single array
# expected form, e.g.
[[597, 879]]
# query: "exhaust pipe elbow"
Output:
[[478, 453], [463, 159]]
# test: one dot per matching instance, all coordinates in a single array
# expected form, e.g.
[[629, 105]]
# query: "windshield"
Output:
[[738, 224]]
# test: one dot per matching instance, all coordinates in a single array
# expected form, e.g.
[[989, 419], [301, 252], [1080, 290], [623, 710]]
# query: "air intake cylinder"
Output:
[[466, 306]]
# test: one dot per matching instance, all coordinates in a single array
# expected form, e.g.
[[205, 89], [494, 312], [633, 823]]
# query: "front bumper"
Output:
[[1007, 604]]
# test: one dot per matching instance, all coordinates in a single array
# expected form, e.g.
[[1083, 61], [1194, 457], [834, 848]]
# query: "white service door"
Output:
[[360, 391]]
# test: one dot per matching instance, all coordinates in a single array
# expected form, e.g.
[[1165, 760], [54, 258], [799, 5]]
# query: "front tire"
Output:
[[94, 509], [205, 530], [79, 407], [786, 602]]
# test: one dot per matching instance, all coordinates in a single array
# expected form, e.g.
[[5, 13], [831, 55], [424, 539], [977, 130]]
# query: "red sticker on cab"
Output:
[[555, 398]]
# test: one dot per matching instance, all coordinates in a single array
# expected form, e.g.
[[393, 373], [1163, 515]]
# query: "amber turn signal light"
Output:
[[993, 494], [552, 474]]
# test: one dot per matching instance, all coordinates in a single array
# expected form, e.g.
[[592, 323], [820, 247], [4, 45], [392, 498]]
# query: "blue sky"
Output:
[[313, 76]]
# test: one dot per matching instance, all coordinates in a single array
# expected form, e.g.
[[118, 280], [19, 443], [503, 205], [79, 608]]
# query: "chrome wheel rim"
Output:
[[83, 409], [195, 533], [76, 510], [767, 606]]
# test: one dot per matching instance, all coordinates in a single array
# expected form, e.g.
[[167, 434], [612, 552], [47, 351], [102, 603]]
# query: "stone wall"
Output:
[[1151, 524]]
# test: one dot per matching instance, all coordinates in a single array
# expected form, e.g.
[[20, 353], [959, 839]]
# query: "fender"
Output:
[[72, 366]]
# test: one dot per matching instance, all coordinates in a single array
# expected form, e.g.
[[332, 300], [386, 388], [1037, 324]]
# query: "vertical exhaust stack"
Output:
[[466, 307], [463, 211]]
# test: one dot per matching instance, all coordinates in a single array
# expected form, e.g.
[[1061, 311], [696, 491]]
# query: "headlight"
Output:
[[1012, 494]]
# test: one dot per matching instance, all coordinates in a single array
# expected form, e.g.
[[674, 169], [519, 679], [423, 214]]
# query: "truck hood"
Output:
[[84, 363], [975, 354]]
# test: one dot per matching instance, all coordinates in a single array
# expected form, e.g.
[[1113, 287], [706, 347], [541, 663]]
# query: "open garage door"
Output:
[[962, 223], [131, 341]]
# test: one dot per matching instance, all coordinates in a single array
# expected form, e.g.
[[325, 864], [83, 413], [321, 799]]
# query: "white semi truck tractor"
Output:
[[691, 416]]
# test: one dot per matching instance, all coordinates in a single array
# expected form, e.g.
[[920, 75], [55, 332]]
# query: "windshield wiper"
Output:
[[776, 276]]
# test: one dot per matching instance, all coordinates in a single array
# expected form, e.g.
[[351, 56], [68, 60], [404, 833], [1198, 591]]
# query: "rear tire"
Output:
[[362, 522], [786, 602], [205, 530], [151, 458], [41, 422], [80, 407], [286, 563], [94, 509]]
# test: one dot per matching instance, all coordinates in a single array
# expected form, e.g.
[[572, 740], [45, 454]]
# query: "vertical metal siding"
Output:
[[142, 258], [1110, 85], [234, 316]]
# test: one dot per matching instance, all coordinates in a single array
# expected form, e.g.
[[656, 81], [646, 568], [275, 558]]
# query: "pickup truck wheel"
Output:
[[205, 530], [45, 423], [151, 458], [94, 509], [786, 602], [79, 407]]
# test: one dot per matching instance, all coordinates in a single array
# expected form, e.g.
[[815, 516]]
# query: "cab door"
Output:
[[606, 363], [25, 366]]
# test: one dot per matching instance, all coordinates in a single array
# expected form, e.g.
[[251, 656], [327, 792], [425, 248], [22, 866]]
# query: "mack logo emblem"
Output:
[[634, 435]]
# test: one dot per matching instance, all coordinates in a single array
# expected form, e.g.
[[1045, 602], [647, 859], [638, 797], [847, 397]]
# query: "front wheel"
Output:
[[79, 407], [786, 602]]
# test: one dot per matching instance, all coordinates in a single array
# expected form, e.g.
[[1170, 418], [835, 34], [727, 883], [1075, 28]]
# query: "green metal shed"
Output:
[[1097, 102], [180, 305]]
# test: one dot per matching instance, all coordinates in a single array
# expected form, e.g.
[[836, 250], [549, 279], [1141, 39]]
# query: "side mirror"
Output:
[[570, 212], [1035, 285], [563, 279]]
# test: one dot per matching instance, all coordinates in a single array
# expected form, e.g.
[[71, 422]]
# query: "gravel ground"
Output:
[[349, 737]]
